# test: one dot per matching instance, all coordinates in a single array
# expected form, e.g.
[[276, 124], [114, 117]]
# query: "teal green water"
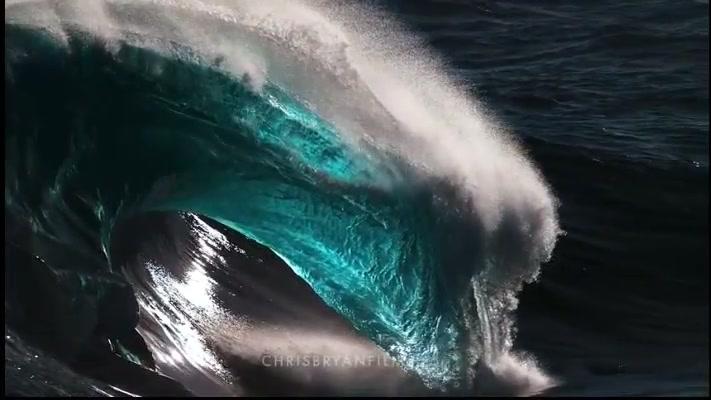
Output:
[[93, 137]]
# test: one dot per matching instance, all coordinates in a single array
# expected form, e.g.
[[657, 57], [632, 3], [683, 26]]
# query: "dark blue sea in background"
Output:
[[128, 191], [612, 100]]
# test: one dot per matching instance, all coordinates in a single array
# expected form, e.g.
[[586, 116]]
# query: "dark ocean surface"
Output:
[[611, 98]]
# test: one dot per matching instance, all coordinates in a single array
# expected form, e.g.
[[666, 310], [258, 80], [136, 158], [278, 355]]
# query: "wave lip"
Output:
[[315, 128]]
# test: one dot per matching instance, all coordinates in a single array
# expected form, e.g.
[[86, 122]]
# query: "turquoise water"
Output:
[[152, 133]]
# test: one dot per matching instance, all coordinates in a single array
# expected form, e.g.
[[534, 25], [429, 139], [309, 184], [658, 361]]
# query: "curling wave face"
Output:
[[328, 135]]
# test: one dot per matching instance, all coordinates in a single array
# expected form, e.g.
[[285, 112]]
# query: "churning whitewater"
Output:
[[331, 136]]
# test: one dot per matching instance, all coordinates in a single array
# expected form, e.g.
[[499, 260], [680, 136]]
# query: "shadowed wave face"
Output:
[[366, 176]]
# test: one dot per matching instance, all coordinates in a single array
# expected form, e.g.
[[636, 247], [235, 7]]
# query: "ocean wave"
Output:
[[329, 135]]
